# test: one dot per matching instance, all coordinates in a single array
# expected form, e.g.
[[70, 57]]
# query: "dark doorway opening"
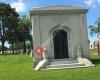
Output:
[[60, 44]]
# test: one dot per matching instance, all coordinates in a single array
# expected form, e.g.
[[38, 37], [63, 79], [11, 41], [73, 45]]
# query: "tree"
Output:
[[12, 30], [24, 31], [95, 29], [8, 23]]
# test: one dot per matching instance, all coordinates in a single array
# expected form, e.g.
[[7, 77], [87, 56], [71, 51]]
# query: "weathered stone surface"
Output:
[[47, 23]]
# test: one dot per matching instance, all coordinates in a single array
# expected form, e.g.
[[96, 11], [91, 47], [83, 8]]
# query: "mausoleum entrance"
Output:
[[60, 44]]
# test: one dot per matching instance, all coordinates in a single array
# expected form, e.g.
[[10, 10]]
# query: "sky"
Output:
[[24, 6]]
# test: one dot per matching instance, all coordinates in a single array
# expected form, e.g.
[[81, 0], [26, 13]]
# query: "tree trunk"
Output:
[[3, 47], [31, 44], [24, 47], [12, 47]]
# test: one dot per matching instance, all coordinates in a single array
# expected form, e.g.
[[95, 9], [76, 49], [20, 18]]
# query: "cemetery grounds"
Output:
[[19, 67]]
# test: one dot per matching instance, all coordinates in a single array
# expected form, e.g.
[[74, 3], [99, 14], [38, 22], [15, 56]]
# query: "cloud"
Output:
[[98, 1], [91, 3], [19, 6]]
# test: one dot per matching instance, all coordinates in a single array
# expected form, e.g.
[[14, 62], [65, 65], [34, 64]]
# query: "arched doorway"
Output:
[[60, 44]]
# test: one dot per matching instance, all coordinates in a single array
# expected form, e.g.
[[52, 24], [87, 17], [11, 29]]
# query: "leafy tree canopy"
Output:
[[95, 29], [8, 22]]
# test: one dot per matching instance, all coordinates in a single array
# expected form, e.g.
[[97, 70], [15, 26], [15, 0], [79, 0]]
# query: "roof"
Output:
[[58, 8], [53, 9]]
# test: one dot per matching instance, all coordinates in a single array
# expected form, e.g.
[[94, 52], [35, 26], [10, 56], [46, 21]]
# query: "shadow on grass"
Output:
[[96, 61], [10, 54]]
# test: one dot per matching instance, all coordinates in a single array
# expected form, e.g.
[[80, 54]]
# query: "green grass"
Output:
[[19, 67]]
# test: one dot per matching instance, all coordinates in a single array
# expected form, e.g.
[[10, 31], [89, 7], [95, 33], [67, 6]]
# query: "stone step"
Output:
[[68, 59], [63, 62], [61, 66]]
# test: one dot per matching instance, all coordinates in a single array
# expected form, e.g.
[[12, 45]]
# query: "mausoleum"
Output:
[[61, 32]]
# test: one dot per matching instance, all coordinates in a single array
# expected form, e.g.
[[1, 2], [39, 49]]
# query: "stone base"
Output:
[[64, 63]]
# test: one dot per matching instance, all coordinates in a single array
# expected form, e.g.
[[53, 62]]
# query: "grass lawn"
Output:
[[19, 67]]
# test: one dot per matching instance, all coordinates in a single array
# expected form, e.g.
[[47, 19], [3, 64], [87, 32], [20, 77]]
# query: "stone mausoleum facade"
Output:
[[62, 33]]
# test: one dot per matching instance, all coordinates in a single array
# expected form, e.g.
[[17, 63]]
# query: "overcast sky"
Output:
[[24, 6]]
